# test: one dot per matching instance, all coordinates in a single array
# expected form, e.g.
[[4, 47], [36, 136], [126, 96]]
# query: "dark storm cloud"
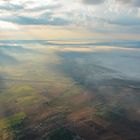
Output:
[[130, 2], [93, 1]]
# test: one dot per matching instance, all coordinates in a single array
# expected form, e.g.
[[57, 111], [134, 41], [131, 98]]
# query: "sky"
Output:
[[65, 19]]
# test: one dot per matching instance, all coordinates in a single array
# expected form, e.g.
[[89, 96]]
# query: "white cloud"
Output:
[[7, 26]]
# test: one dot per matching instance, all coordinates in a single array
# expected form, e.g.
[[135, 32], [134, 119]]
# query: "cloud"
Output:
[[32, 13], [124, 21], [101, 16], [7, 26], [10, 7], [95, 2], [43, 20], [135, 3]]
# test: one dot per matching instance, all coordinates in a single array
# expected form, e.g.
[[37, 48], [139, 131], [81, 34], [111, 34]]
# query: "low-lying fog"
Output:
[[72, 75]]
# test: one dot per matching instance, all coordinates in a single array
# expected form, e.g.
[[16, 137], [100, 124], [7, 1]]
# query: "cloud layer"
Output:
[[130, 2], [93, 15], [93, 1]]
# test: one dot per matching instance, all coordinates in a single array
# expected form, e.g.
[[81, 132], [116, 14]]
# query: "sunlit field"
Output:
[[69, 90]]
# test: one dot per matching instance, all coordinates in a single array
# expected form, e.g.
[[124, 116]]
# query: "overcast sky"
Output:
[[69, 18]]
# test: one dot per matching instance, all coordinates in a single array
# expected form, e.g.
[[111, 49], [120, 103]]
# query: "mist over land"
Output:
[[69, 69], [71, 90]]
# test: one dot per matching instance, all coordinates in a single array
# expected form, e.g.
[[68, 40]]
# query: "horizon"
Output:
[[70, 70]]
